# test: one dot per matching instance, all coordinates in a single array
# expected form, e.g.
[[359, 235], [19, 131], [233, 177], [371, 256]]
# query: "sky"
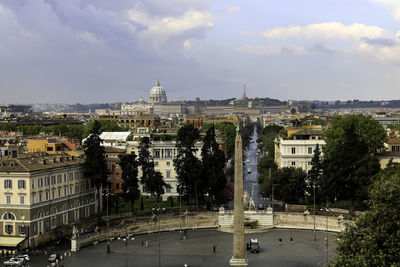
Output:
[[102, 51]]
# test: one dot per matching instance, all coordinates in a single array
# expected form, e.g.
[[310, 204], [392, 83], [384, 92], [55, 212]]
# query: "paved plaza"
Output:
[[197, 250]]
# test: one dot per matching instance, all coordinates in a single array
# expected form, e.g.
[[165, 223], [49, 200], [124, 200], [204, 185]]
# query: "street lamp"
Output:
[[156, 219], [108, 194]]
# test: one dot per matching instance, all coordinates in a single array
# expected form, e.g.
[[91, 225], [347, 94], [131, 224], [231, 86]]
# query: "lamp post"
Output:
[[315, 238], [156, 219], [107, 194]]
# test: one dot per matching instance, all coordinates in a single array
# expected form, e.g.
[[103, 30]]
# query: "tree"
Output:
[[350, 157], [152, 181], [187, 166], [314, 175], [95, 167], [289, 185], [267, 162], [213, 160], [374, 239], [130, 186]]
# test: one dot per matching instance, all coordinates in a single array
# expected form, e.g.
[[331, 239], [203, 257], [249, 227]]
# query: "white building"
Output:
[[299, 151], [163, 153]]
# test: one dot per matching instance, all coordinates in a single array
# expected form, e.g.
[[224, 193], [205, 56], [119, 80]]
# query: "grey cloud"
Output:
[[379, 41]]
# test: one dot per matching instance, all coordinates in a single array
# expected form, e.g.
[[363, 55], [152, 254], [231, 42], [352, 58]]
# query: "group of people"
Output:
[[280, 240]]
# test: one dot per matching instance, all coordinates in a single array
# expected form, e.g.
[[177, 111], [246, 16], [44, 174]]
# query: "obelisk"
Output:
[[239, 257]]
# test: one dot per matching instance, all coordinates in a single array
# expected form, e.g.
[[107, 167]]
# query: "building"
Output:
[[299, 151], [40, 194], [157, 94], [51, 146], [112, 157], [131, 122], [392, 153], [163, 153]]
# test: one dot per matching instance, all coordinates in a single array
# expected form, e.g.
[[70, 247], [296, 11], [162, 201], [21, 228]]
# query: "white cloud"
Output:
[[232, 9], [271, 50], [325, 31], [89, 38], [393, 5], [187, 44], [386, 54]]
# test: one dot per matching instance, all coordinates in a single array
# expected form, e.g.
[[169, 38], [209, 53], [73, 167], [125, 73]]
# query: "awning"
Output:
[[10, 241]]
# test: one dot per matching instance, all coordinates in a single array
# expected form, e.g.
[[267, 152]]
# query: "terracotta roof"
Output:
[[395, 140]]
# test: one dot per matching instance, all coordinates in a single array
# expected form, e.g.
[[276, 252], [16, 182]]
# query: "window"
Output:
[[76, 188], [293, 163], [40, 182], [59, 192], [47, 195], [33, 183], [9, 228], [168, 174], [168, 190], [293, 150], [309, 163], [8, 216], [65, 177], [65, 191], [53, 194], [168, 153], [76, 175], [8, 199], [117, 175], [310, 150], [49, 148], [21, 184], [33, 199], [70, 190], [71, 176], [395, 148], [168, 163], [22, 200], [40, 197], [53, 180], [21, 229], [156, 153], [7, 184], [47, 181], [155, 163]]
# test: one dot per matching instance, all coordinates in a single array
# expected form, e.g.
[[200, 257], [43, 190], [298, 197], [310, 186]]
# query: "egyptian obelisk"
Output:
[[239, 257]]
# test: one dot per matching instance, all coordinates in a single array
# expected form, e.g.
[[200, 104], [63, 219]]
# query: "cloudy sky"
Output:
[[88, 51]]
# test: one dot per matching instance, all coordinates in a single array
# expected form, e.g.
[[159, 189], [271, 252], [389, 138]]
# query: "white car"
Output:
[[24, 257], [247, 161], [14, 262], [248, 170]]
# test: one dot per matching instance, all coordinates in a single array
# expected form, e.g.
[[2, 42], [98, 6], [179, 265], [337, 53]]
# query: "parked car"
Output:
[[24, 257], [54, 257], [248, 170], [14, 262]]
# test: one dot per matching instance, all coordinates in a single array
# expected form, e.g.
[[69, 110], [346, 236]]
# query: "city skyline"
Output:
[[100, 52]]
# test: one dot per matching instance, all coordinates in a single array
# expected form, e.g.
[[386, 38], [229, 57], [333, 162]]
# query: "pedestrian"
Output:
[[291, 240], [214, 249], [142, 243], [280, 241]]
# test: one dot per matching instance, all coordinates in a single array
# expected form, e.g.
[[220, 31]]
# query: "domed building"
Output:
[[157, 94]]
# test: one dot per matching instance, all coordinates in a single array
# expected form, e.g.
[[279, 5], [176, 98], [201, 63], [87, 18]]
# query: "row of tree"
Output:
[[201, 179], [77, 131]]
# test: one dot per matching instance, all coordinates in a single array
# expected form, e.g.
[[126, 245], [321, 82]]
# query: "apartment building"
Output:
[[163, 153], [298, 152], [39, 194]]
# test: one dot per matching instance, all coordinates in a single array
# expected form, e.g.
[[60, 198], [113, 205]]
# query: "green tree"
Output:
[[130, 186], [289, 185], [314, 175], [213, 160], [269, 133], [267, 162], [187, 166], [374, 239], [351, 157], [95, 167]]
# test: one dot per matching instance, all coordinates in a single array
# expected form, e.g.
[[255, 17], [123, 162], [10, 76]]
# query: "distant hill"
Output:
[[225, 102]]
